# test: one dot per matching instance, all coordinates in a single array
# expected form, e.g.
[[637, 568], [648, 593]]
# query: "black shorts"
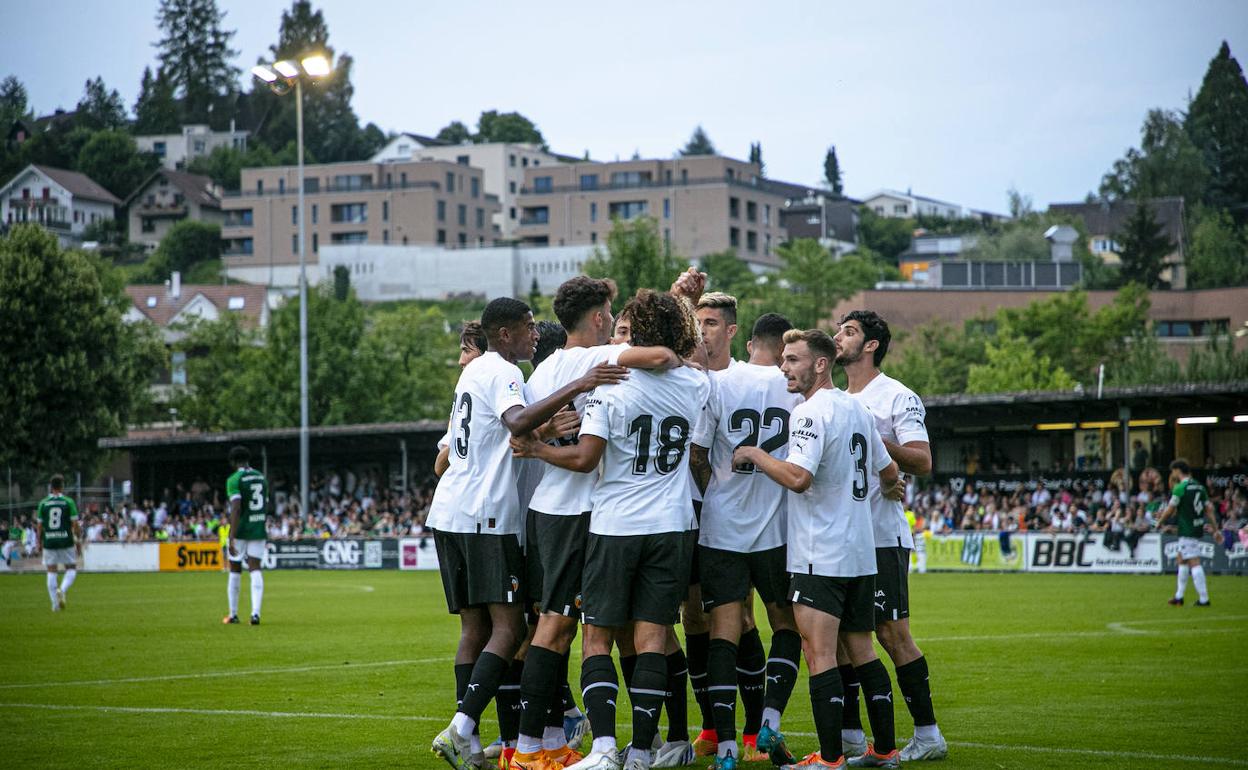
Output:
[[892, 584], [849, 598], [695, 571], [728, 575], [480, 569], [635, 577], [555, 558]]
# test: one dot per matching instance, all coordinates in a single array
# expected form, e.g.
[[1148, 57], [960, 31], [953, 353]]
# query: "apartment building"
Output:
[[703, 204], [503, 164], [420, 202], [177, 151]]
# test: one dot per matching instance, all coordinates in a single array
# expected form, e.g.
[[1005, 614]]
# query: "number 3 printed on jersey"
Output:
[[858, 450], [462, 430]]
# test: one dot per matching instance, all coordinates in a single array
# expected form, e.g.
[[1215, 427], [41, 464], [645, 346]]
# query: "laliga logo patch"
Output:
[[513, 388]]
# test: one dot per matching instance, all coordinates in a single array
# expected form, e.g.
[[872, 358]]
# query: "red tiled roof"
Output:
[[167, 307]]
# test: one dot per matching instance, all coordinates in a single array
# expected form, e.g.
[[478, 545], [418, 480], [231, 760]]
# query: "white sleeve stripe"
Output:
[[236, 497]]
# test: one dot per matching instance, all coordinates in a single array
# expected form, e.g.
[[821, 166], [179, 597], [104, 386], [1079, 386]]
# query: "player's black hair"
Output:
[[873, 328], [1181, 466], [472, 334], [551, 337], [240, 455], [770, 328], [576, 297], [57, 482], [503, 311]]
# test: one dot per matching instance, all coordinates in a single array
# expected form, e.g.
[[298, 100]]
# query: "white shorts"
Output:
[[1189, 548], [53, 557], [255, 549]]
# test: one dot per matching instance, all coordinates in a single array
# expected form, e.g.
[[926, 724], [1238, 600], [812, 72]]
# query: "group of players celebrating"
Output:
[[641, 480]]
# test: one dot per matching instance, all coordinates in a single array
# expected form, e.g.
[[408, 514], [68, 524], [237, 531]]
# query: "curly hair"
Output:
[[581, 295], [550, 337], [661, 319]]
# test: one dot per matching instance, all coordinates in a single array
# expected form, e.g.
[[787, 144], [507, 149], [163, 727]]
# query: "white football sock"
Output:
[[257, 591], [853, 736], [771, 718], [52, 587], [474, 744], [528, 744], [1198, 578], [235, 586], [463, 724], [554, 738], [68, 580], [605, 744], [1184, 570], [726, 749], [927, 732]]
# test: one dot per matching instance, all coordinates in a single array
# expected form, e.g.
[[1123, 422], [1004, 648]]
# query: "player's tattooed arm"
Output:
[[792, 477], [911, 457], [700, 466], [581, 457]]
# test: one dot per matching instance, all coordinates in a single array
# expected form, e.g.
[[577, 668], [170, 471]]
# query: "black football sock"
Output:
[[627, 664], [541, 668], [599, 689], [752, 679], [782, 669], [508, 703], [463, 674], [721, 688], [852, 717], [696, 646], [568, 699], [677, 702], [877, 691], [827, 700], [647, 692], [487, 675], [913, 681]]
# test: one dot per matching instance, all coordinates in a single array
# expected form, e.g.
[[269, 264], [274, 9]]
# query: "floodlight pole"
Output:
[[303, 314]]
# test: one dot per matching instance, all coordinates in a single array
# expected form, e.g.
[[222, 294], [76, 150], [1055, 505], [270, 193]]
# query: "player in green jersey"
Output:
[[248, 492], [60, 537], [1189, 502]]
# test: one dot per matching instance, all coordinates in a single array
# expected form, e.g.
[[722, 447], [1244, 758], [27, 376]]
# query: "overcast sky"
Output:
[[955, 100]]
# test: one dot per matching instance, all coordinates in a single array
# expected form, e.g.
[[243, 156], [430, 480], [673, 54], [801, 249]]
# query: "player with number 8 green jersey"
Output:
[[1189, 497], [252, 489], [56, 515]]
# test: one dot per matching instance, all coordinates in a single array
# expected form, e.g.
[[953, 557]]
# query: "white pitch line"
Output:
[[1141, 755], [1108, 753], [219, 674]]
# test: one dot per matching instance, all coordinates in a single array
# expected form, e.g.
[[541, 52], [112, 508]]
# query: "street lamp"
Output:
[[280, 76]]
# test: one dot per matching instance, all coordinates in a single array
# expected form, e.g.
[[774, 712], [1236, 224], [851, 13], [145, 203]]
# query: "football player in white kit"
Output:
[[833, 451], [861, 344]]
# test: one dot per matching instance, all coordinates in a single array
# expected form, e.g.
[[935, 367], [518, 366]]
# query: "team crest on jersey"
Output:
[[577, 602], [515, 583]]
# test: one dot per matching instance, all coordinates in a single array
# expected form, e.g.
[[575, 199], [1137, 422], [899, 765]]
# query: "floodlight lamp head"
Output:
[[264, 73], [316, 65], [286, 68]]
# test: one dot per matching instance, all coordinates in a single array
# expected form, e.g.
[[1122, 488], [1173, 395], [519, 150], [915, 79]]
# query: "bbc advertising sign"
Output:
[[1068, 552]]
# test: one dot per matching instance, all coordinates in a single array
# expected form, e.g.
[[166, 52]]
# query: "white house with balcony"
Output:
[[64, 202], [177, 151]]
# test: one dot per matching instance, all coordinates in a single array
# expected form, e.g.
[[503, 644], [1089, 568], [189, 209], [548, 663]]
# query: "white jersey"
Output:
[[478, 492], [647, 421], [563, 492], [744, 511], [834, 438], [899, 417]]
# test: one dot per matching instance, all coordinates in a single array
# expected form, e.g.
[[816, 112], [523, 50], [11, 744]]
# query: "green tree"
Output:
[[1166, 164], [635, 257], [100, 109], [699, 144], [156, 109], [13, 98], [728, 273], [832, 172], [756, 156], [224, 359], [885, 236], [455, 132], [811, 281], [224, 165], [186, 244], [1013, 366], [196, 55], [1218, 255], [342, 282], [1019, 204], [1143, 362], [409, 357], [1217, 362], [112, 158], [512, 127], [76, 370], [1145, 247], [937, 357], [1217, 121]]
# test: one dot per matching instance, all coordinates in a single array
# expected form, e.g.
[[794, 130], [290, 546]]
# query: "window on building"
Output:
[[541, 184], [589, 181], [628, 209], [463, 239], [259, 187], [281, 185], [667, 208], [441, 236], [385, 211], [149, 225], [751, 240], [480, 218], [511, 160], [751, 211], [900, 208], [314, 213], [311, 184], [593, 211], [524, 162], [348, 212], [767, 213], [767, 243], [352, 237], [405, 240], [294, 215], [629, 178], [343, 182], [734, 237], [879, 209], [294, 243], [159, 149], [536, 215], [385, 236], [402, 179], [734, 208], [476, 187], [593, 237], [441, 211], [461, 215], [512, 212], [511, 187], [461, 160], [684, 176], [177, 374], [316, 243], [405, 150], [450, 182], [667, 176]]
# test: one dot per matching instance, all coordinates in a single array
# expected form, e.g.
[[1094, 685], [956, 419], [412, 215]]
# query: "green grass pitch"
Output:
[[353, 669]]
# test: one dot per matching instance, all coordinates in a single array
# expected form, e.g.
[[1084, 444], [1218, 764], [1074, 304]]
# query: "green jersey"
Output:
[[1189, 497], [250, 488], [56, 516]]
